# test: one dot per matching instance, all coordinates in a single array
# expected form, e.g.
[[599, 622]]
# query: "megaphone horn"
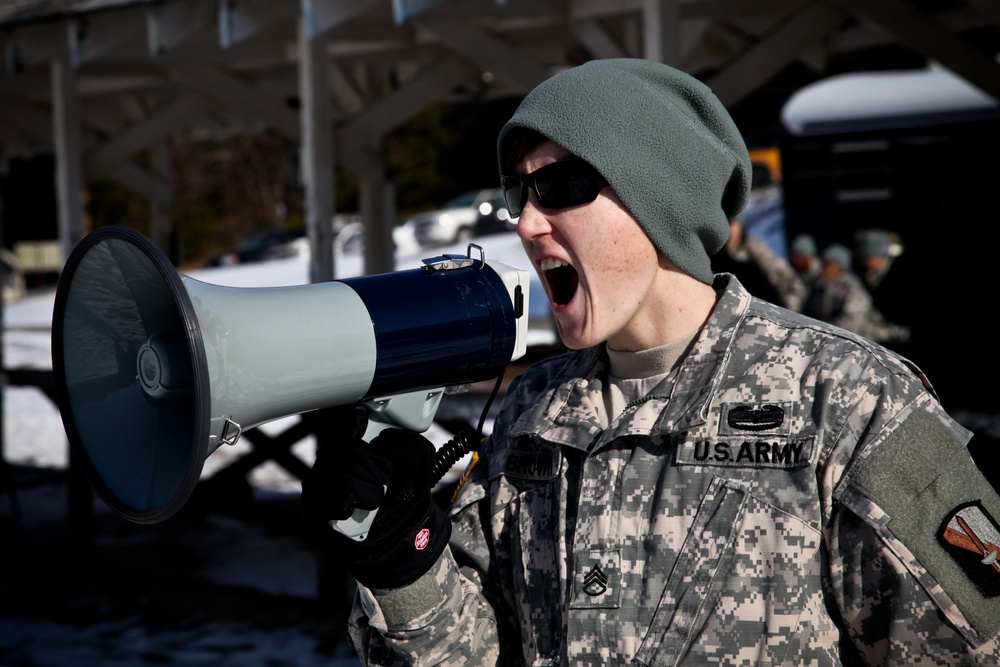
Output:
[[155, 370]]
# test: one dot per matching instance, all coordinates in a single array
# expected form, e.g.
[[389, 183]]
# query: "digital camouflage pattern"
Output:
[[841, 300], [736, 516]]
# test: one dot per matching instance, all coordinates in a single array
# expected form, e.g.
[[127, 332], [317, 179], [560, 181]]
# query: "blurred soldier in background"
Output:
[[805, 260], [839, 297], [763, 272]]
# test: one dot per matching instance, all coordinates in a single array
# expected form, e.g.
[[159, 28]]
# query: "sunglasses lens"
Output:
[[515, 193], [558, 185], [566, 190]]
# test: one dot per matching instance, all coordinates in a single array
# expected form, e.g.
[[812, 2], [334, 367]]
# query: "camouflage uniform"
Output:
[[841, 300], [775, 500], [784, 285]]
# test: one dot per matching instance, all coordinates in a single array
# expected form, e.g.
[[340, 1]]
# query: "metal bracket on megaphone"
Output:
[[413, 411]]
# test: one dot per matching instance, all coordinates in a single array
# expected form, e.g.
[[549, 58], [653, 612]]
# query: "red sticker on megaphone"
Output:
[[422, 539]]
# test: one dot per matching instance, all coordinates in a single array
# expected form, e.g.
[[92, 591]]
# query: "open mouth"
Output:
[[562, 280]]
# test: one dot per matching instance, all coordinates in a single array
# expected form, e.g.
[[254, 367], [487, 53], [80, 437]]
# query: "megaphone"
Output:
[[155, 370]]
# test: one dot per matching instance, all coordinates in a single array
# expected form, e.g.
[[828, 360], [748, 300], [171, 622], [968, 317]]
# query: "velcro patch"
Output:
[[782, 453], [532, 465], [972, 537], [745, 419], [597, 579]]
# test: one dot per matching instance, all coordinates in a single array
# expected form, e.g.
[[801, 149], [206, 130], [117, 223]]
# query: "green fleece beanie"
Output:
[[664, 142]]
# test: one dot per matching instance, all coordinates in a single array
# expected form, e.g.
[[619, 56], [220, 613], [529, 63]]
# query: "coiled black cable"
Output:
[[452, 451]]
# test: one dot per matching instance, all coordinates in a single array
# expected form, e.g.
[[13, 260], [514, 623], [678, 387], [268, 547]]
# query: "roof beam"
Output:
[[598, 40], [33, 45], [354, 138], [487, 51], [229, 92], [661, 31], [316, 153], [145, 133], [926, 35], [170, 24], [751, 68], [319, 16], [141, 182], [69, 165], [241, 19], [94, 35]]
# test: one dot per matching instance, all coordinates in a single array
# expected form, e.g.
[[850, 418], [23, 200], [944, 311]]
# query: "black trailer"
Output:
[[917, 154]]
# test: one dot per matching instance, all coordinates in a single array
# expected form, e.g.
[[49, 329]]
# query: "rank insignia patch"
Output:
[[972, 537]]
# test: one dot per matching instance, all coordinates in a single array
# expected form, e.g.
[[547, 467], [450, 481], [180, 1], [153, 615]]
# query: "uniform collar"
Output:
[[561, 414]]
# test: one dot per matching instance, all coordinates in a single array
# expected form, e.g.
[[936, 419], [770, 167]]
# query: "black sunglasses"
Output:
[[557, 185]]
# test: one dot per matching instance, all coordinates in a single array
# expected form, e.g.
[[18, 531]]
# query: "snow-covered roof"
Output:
[[870, 100]]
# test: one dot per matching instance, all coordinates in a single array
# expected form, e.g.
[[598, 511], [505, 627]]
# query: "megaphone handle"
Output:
[[413, 410], [357, 525], [360, 522]]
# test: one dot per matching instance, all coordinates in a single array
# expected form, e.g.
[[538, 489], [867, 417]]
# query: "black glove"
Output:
[[410, 531]]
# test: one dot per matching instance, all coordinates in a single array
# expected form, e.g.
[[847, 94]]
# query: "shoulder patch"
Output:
[[972, 537], [923, 478]]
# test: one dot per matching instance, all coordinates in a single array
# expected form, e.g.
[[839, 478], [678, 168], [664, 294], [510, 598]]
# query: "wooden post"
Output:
[[316, 154], [69, 163], [661, 31], [378, 212]]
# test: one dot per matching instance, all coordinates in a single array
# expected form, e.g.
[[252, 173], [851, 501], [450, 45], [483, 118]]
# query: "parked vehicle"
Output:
[[455, 221], [494, 219]]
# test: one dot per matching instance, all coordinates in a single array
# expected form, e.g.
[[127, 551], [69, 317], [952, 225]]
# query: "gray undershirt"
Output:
[[632, 375]]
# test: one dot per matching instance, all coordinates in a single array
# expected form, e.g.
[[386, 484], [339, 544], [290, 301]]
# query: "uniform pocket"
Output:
[[536, 577], [746, 573]]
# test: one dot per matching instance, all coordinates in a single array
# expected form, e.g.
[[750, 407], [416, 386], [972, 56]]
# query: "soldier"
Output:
[[704, 477], [839, 297], [763, 272], [805, 260]]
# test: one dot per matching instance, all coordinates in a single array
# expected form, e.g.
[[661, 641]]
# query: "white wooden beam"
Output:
[[92, 36], [170, 24], [353, 140], [931, 38], [789, 38], [377, 200], [69, 165], [33, 45], [316, 154], [733, 9], [597, 40], [229, 92], [241, 19], [319, 16], [344, 90], [588, 9], [404, 11], [661, 31], [486, 50], [148, 186], [149, 131]]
